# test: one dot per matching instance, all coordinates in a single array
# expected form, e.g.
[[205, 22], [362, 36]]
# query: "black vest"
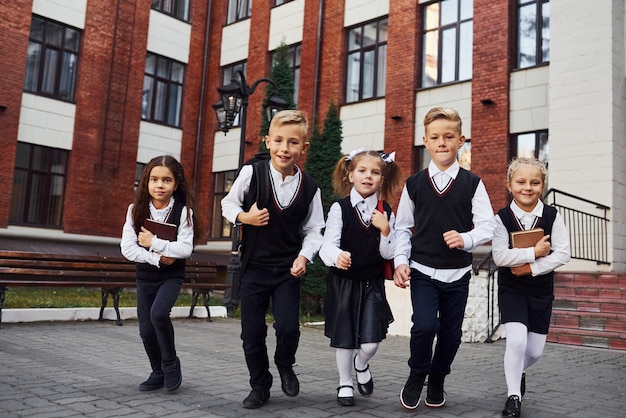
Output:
[[145, 271], [363, 244], [542, 285], [435, 214], [278, 243]]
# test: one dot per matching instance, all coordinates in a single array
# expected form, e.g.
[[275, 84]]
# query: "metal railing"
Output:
[[588, 232], [493, 311]]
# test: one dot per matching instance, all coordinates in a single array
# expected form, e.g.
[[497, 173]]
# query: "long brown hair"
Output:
[[183, 194]]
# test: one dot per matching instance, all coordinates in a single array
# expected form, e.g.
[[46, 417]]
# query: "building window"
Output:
[[162, 90], [447, 43], [230, 74], [38, 186], [279, 2], [175, 8], [238, 10], [293, 55], [533, 32], [531, 144], [221, 228], [367, 61], [138, 170], [52, 59]]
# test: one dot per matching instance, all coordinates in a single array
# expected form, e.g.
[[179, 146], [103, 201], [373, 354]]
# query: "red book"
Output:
[[162, 230], [525, 239]]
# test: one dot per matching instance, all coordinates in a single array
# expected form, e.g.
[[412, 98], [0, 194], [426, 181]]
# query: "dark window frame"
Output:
[[540, 23], [238, 10], [540, 144], [157, 99], [223, 182], [178, 9], [39, 181], [379, 49], [439, 30], [49, 66], [281, 2]]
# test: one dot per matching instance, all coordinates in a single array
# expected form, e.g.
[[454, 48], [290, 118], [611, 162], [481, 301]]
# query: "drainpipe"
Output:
[[318, 54], [200, 126]]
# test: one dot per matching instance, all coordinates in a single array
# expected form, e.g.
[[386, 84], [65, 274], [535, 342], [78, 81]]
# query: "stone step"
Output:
[[586, 304], [562, 291], [596, 321], [588, 338]]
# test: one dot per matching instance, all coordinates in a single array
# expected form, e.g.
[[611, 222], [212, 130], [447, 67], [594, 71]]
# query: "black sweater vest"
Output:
[[145, 271], [437, 213], [542, 285]]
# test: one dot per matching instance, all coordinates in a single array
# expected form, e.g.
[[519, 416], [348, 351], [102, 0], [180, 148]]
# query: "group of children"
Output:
[[444, 213]]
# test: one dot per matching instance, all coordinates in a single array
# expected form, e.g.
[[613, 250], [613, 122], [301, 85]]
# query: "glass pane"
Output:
[[22, 155], [55, 201], [72, 39], [449, 11], [164, 68], [526, 145], [182, 9], [543, 147], [431, 16], [160, 101], [448, 55], [467, 9], [32, 66], [38, 159], [381, 74], [354, 39], [49, 71], [383, 29], [526, 36], [68, 76], [368, 75], [146, 99], [178, 72], [150, 63], [369, 34], [465, 51], [59, 161], [430, 59], [36, 28], [18, 196], [352, 77], [545, 32], [37, 197], [54, 34], [465, 155], [173, 112]]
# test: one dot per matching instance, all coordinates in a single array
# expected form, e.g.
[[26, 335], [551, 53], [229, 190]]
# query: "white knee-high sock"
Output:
[[516, 341], [344, 367], [364, 355]]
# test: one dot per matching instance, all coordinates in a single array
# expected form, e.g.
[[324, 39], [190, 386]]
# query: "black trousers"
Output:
[[258, 287], [438, 310], [154, 304]]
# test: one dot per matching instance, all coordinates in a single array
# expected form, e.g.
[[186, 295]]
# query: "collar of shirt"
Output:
[[452, 171], [527, 218], [364, 206], [285, 190], [161, 214]]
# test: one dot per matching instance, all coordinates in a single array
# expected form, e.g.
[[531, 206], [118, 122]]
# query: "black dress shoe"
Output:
[[512, 407], [154, 382], [256, 398], [289, 382], [345, 400], [173, 376], [367, 388]]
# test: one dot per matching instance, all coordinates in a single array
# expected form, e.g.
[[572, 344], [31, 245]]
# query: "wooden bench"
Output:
[[110, 274]]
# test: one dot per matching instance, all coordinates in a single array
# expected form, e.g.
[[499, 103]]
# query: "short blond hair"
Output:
[[446, 113], [290, 117], [516, 163]]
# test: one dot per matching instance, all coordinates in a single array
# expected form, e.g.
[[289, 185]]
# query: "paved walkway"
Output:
[[91, 369]]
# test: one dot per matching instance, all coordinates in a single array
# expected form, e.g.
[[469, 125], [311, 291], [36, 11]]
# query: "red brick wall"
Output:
[[490, 80], [15, 29]]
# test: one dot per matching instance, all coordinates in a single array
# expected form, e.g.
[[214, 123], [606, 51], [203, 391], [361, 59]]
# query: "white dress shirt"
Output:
[[181, 248], [334, 224], [284, 193], [482, 217], [504, 256]]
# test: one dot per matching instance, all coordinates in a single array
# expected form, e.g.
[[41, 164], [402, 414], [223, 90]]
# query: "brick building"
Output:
[[91, 90]]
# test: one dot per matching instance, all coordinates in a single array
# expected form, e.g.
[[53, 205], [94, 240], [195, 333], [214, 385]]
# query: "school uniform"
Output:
[[356, 307], [433, 202]]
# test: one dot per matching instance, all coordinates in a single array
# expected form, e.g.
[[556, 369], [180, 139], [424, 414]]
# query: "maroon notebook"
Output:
[[525, 239], [162, 230]]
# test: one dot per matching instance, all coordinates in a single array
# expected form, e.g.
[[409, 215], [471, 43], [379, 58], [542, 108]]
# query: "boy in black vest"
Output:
[[280, 237], [444, 213]]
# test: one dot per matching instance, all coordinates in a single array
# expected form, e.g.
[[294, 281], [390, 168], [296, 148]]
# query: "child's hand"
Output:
[[166, 260], [402, 276], [255, 216], [542, 247], [344, 260], [298, 268], [379, 220], [145, 238], [453, 239]]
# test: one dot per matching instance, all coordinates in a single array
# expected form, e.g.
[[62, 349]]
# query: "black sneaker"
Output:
[[411, 393], [173, 375], [256, 399], [289, 382], [435, 396], [512, 407], [154, 382]]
